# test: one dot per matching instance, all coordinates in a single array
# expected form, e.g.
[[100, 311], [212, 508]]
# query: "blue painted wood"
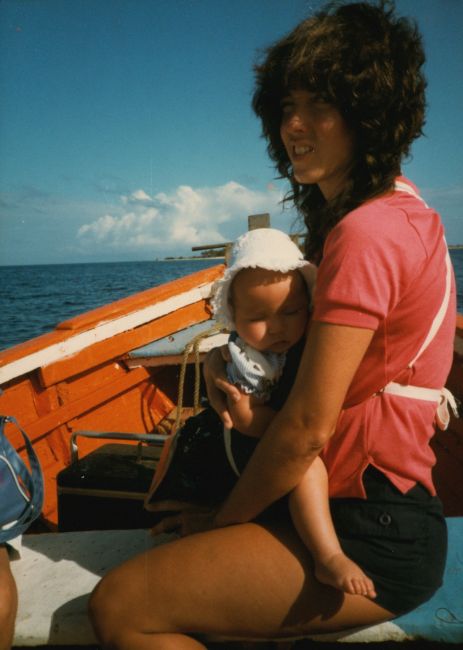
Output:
[[173, 344], [441, 618]]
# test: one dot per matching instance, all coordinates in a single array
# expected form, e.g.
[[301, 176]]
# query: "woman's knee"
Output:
[[105, 609], [116, 608]]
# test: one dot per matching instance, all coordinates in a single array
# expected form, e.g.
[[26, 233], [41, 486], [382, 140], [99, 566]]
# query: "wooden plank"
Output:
[[173, 343], [169, 350], [258, 221], [150, 360], [158, 362], [137, 410], [142, 299], [82, 340], [92, 327], [66, 413], [20, 401], [118, 345], [9, 355]]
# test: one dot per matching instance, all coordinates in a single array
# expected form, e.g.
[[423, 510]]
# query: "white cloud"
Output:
[[180, 219], [137, 197]]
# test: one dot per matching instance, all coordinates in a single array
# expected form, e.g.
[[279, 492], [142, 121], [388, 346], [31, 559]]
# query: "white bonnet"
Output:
[[265, 248]]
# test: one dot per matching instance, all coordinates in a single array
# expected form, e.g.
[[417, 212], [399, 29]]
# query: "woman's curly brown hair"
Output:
[[367, 62]]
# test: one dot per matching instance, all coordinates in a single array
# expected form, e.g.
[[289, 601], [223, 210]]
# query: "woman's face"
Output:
[[318, 141]]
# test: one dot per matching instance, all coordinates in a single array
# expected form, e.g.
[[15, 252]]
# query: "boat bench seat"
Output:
[[56, 572], [169, 349]]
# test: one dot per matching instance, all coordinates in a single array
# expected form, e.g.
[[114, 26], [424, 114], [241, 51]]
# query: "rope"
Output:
[[192, 346]]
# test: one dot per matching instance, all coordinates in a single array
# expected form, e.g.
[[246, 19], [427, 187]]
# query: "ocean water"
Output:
[[33, 299]]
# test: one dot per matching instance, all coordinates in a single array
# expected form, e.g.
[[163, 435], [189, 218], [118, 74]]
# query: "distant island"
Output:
[[219, 253], [192, 258], [208, 253]]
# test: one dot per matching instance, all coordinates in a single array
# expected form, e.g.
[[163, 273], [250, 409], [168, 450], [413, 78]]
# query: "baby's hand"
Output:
[[219, 389]]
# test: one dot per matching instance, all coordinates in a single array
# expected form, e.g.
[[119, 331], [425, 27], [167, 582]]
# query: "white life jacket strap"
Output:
[[400, 186], [439, 317], [442, 414], [443, 398], [415, 392], [228, 450]]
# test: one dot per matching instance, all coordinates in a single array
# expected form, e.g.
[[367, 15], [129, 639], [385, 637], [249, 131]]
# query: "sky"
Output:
[[126, 128]]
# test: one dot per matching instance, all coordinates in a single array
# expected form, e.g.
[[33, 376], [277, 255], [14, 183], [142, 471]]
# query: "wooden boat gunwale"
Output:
[[81, 332]]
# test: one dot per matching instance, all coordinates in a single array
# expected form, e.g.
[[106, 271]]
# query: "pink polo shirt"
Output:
[[384, 269]]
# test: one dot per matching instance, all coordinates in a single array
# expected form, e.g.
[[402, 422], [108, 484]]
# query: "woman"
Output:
[[341, 99]]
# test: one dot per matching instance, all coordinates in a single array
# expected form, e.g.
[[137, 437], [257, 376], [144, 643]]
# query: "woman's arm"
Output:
[[299, 431]]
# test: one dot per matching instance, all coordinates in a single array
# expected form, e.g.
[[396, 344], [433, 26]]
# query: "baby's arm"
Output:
[[250, 415], [254, 373]]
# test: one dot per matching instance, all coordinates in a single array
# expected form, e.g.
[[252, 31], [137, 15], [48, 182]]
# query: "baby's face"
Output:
[[270, 309]]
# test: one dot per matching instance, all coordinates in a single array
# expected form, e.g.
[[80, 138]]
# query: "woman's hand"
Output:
[[217, 386], [186, 519]]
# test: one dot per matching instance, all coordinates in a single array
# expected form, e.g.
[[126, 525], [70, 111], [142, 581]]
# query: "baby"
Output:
[[264, 302]]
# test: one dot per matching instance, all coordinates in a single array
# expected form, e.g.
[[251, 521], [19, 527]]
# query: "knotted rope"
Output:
[[192, 346]]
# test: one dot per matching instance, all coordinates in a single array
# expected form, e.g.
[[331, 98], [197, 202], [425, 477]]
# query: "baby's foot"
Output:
[[341, 572]]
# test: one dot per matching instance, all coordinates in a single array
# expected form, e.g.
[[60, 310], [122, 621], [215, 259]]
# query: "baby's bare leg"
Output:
[[311, 515]]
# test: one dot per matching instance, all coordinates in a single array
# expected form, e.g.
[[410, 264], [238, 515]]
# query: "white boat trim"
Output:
[[101, 332]]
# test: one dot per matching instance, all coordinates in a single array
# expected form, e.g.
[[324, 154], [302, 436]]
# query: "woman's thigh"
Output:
[[244, 581]]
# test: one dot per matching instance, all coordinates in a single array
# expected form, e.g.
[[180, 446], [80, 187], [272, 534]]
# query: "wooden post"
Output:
[[228, 250], [258, 221], [254, 221]]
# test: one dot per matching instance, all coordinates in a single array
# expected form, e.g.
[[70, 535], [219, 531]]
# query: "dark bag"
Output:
[[194, 466], [21, 488]]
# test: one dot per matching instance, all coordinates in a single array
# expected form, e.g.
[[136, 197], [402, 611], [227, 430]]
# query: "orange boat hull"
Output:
[[94, 389]]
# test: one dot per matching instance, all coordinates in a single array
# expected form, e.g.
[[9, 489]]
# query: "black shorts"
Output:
[[399, 540]]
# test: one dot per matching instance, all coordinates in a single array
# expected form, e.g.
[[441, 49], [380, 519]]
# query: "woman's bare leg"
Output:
[[8, 601], [244, 581]]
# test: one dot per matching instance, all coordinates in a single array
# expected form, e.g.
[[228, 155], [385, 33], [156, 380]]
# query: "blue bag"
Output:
[[21, 488]]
